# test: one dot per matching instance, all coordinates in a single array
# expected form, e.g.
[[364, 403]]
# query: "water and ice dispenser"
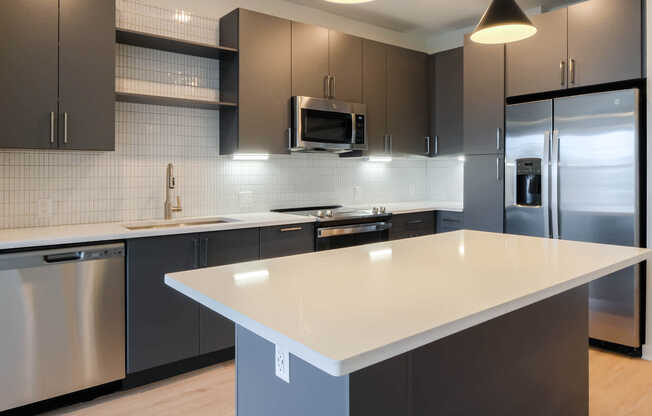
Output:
[[528, 182]]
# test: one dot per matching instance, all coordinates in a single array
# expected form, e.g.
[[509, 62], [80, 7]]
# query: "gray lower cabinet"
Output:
[[483, 192], [448, 221], [412, 225], [218, 249], [287, 240], [539, 63], [260, 123], [374, 91], [58, 51], [484, 98], [407, 100], [604, 41], [447, 102], [162, 324]]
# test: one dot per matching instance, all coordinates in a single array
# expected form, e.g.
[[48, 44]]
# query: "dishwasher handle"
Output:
[[63, 257]]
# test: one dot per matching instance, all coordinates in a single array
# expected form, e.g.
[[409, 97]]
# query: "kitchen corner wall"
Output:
[[45, 188]]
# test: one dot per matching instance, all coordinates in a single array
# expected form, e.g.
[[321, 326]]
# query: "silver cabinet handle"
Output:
[[332, 90], [386, 143], [391, 143], [572, 71], [498, 169], [427, 145], [52, 127], [287, 230], [498, 136], [327, 86], [436, 145], [65, 128], [562, 71], [290, 138]]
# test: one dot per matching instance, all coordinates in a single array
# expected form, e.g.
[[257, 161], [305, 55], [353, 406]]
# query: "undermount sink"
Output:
[[181, 223]]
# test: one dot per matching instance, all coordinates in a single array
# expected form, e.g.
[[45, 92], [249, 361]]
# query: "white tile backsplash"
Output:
[[44, 188]]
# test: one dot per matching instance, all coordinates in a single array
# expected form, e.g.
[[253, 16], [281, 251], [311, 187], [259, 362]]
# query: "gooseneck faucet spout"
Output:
[[170, 185]]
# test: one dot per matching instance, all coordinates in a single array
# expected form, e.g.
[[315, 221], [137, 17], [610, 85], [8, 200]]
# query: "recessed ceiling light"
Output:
[[503, 22], [349, 1]]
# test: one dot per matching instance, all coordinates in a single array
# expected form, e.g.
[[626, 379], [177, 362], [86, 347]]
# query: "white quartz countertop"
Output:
[[418, 206], [73, 234], [87, 233], [347, 309]]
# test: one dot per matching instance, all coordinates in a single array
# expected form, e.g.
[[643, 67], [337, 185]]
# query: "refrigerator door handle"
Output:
[[554, 182], [545, 191]]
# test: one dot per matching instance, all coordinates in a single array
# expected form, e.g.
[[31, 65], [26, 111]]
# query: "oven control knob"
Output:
[[329, 212], [382, 210], [320, 214], [375, 210]]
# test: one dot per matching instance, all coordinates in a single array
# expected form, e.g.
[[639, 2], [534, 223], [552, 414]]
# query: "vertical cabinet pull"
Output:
[[498, 169], [204, 252], [65, 128], [572, 70], [436, 145], [195, 245], [52, 127], [498, 136], [562, 71], [332, 89], [290, 138], [327, 86], [427, 145]]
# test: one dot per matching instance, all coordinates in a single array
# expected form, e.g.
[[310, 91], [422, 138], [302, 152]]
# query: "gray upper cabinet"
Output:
[[407, 100], [447, 102], [483, 193], [87, 75], [37, 72], [604, 41], [484, 98], [374, 88], [345, 66], [326, 63], [310, 68], [265, 83], [539, 63]]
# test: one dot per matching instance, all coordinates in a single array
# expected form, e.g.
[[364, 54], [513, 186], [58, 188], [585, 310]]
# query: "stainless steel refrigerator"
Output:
[[572, 173]]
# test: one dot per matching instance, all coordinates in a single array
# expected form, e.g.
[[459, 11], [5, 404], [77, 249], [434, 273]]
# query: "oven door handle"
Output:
[[353, 229]]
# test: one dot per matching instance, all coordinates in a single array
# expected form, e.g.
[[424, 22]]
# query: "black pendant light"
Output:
[[503, 22]]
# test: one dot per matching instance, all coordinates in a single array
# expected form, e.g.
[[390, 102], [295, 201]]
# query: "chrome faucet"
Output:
[[170, 185]]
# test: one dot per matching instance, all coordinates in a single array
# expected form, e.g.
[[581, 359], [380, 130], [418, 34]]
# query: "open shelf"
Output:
[[164, 43], [172, 101]]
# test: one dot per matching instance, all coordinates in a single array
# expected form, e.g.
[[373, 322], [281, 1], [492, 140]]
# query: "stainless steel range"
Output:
[[339, 227]]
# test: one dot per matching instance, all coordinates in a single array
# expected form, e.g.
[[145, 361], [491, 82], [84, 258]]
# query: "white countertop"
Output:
[[417, 206], [347, 309], [87, 233], [73, 234]]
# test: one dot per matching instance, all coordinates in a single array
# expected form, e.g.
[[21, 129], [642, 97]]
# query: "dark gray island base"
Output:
[[533, 361]]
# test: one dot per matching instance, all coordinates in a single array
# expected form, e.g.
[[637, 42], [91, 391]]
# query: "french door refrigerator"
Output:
[[572, 173]]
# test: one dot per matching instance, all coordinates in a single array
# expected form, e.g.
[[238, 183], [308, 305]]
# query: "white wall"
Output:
[[292, 11]]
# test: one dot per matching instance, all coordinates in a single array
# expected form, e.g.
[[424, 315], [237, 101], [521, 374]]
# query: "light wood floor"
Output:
[[619, 386]]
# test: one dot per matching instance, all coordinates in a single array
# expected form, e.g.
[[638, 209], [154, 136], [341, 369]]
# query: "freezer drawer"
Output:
[[62, 320]]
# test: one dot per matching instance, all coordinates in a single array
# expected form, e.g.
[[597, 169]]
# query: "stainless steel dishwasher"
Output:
[[62, 322]]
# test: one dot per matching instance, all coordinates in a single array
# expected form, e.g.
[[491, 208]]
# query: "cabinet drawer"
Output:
[[449, 221], [412, 225], [287, 240]]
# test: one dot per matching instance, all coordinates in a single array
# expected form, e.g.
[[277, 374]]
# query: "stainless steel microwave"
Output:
[[320, 124]]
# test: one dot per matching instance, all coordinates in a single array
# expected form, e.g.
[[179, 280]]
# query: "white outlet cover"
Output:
[[282, 363]]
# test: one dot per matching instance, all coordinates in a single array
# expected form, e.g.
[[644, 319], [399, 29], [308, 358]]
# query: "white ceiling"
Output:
[[421, 16]]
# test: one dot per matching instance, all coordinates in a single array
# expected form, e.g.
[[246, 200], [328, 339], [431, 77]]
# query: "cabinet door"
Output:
[[217, 249], [484, 98], [309, 60], [286, 240], [374, 87], [265, 45], [345, 66], [483, 193], [604, 40], [449, 221], [28, 73], [538, 64], [448, 103], [162, 324], [407, 96], [87, 75]]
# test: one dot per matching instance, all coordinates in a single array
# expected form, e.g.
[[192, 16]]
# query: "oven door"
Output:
[[320, 124], [341, 236]]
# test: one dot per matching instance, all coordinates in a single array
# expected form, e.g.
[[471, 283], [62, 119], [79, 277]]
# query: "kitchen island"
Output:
[[461, 323]]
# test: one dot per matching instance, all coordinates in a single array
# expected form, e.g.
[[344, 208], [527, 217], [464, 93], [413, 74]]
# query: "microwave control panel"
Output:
[[360, 129]]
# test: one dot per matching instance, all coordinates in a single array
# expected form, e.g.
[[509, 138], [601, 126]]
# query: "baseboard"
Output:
[[647, 352]]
